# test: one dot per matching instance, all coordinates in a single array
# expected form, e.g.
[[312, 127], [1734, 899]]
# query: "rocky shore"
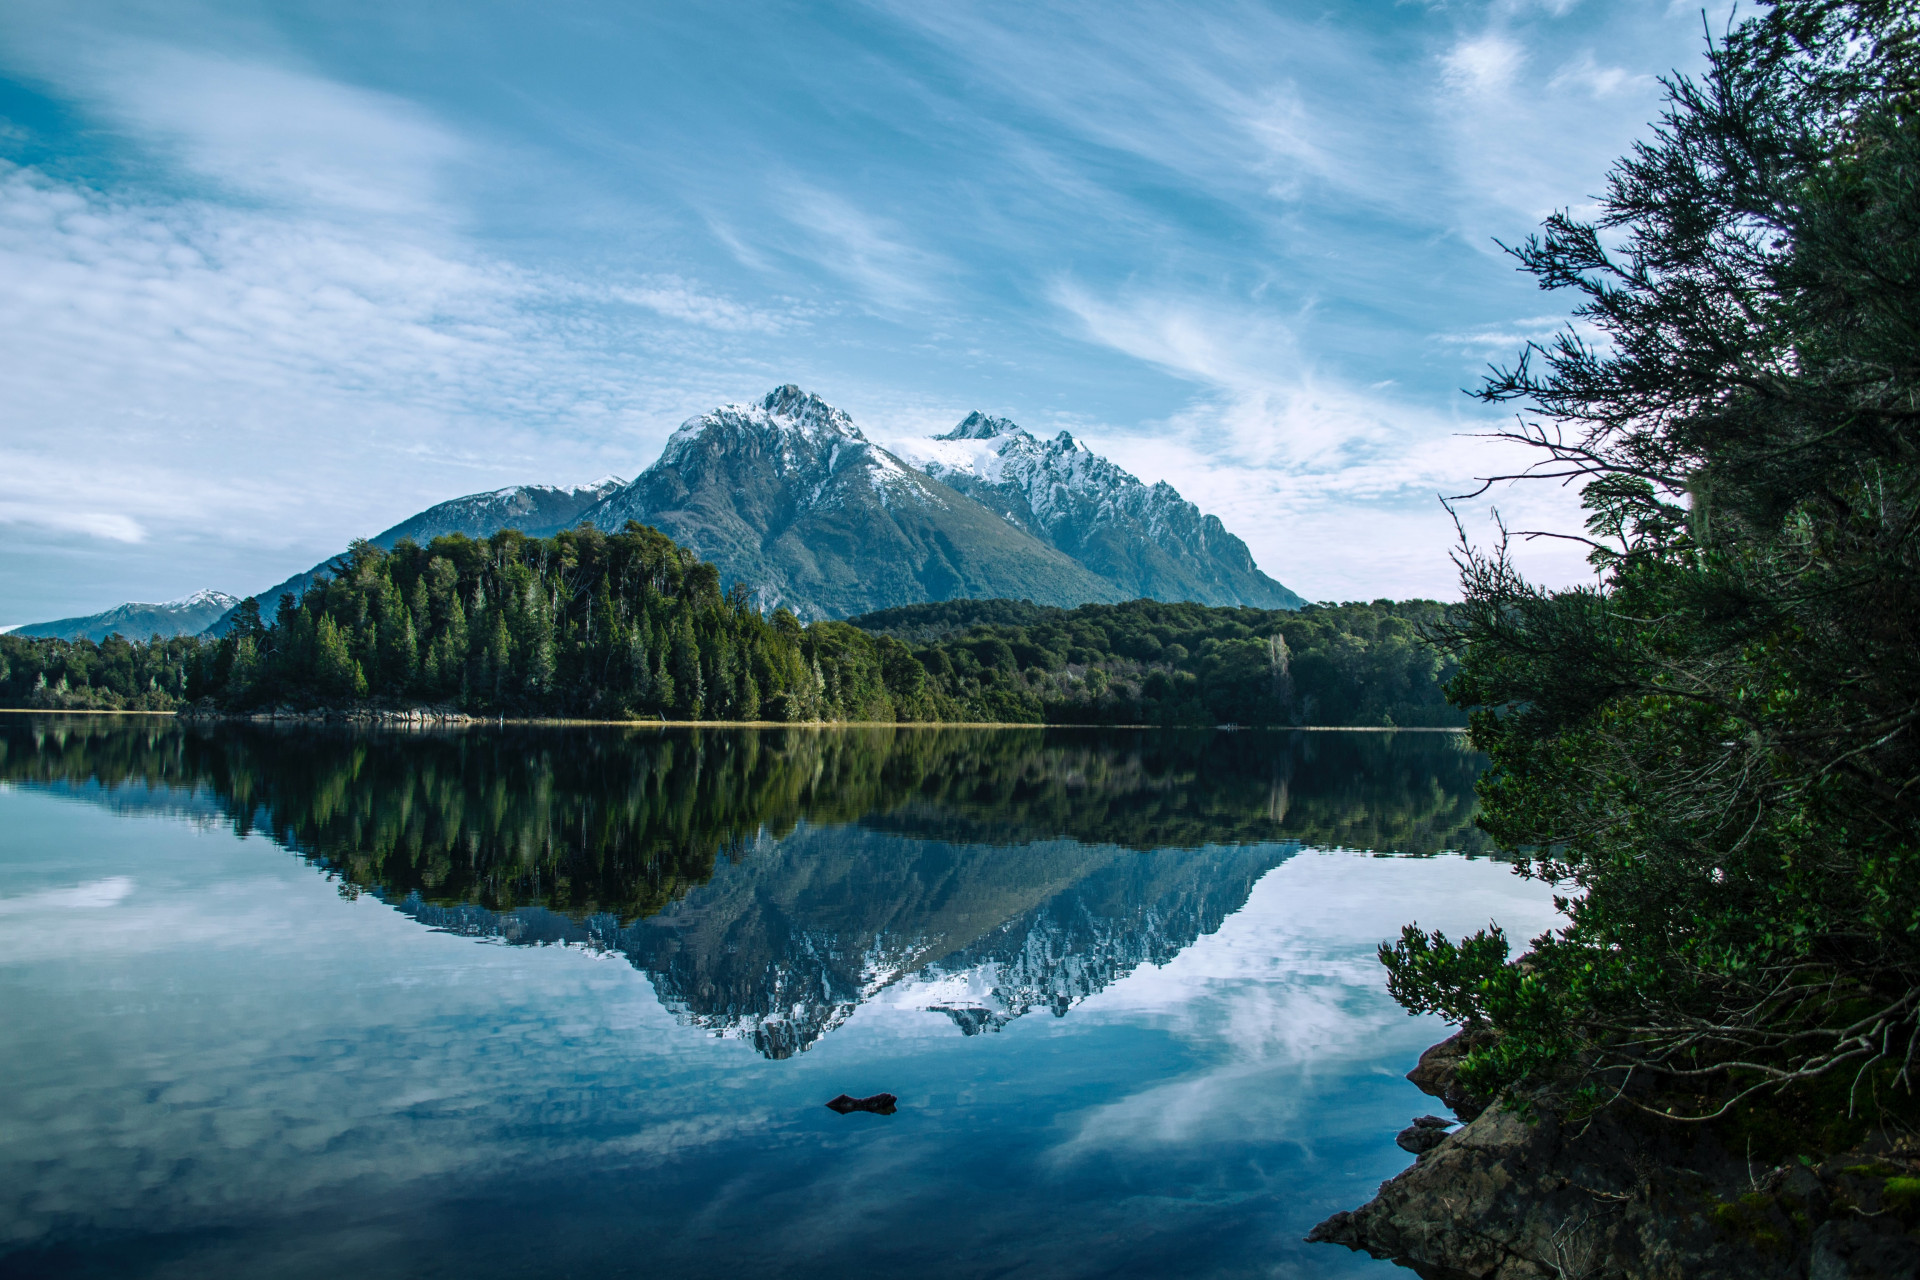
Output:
[[1623, 1196]]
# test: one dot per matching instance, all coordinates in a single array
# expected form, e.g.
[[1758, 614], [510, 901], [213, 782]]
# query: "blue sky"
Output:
[[276, 276]]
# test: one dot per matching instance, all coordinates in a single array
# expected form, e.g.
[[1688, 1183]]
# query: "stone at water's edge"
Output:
[[1423, 1135], [1621, 1197], [1437, 1075]]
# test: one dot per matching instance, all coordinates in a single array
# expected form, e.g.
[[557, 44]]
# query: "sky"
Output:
[[275, 276]]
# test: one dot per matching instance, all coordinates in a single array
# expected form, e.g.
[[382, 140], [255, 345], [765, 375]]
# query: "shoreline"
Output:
[[560, 721], [1521, 1190]]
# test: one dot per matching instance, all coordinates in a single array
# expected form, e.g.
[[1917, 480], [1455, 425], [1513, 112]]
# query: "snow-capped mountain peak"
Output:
[[138, 620], [205, 596], [786, 494], [786, 415], [1145, 537], [980, 426]]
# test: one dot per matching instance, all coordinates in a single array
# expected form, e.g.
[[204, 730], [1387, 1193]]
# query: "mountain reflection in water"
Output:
[[769, 882]]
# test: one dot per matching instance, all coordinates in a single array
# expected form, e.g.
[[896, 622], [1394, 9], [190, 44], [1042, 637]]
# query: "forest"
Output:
[[631, 626], [1149, 662]]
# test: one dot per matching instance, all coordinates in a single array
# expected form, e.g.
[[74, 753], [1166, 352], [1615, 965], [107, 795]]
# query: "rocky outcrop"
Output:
[[1624, 1196], [788, 497], [1146, 538]]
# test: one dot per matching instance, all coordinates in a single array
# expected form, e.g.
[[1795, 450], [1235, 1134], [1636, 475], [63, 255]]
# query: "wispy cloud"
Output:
[[196, 369], [1295, 459], [268, 287], [869, 250], [1483, 65], [273, 133], [678, 299]]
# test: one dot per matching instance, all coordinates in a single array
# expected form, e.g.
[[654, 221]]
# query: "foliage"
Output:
[[580, 624], [111, 675], [632, 626], [1149, 662], [1713, 748]]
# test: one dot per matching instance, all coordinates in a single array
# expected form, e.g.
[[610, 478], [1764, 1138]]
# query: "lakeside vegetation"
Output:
[[1714, 751], [632, 626], [1147, 661]]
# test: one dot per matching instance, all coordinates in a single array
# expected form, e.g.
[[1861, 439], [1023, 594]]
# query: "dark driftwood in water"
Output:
[[881, 1104]]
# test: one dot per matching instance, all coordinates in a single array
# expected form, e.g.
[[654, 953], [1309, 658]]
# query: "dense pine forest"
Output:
[[633, 626]]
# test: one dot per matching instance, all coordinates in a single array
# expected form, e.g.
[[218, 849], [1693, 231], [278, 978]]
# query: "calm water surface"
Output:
[[569, 1002]]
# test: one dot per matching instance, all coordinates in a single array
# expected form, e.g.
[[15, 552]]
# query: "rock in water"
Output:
[[1423, 1135], [881, 1104]]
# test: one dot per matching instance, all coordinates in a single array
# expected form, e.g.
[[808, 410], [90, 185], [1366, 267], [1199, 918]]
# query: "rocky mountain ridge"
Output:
[[788, 941], [1147, 539], [538, 510], [788, 496]]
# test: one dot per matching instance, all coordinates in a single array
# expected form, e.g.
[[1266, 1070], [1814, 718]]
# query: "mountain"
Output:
[[1148, 540], [791, 936], [788, 496], [771, 882], [139, 621], [539, 510]]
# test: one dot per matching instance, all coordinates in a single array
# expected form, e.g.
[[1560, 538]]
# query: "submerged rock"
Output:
[[881, 1104]]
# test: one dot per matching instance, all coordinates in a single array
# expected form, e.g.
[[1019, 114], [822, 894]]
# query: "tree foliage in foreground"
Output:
[[1713, 750]]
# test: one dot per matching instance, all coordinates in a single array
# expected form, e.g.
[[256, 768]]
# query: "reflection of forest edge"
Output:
[[771, 881], [623, 822]]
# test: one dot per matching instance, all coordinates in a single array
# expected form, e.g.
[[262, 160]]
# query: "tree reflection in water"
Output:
[[769, 881]]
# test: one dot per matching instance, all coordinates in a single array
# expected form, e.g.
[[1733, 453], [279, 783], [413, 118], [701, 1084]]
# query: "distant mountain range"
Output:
[[789, 497], [138, 621]]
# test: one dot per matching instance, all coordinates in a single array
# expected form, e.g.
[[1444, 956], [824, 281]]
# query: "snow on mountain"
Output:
[[789, 497], [800, 439], [765, 954], [184, 617], [1146, 538]]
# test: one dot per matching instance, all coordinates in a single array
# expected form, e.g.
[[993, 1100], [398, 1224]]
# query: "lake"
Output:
[[523, 1001]]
